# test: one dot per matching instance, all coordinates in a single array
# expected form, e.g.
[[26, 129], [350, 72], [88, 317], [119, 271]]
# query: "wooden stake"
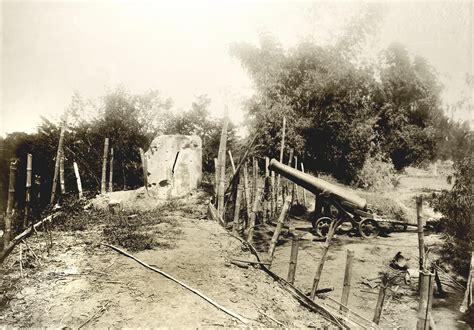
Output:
[[272, 196], [319, 269], [276, 234], [29, 169], [421, 245], [78, 179], [145, 169], [294, 184], [282, 148], [61, 174], [56, 166], [236, 222], [104, 167], [255, 176], [10, 203], [222, 164], [293, 259], [111, 170], [232, 161], [253, 215], [267, 191], [425, 302], [304, 190], [347, 280], [380, 300], [216, 177], [248, 201]]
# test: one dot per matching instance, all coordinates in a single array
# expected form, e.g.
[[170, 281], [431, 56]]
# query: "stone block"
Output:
[[174, 165]]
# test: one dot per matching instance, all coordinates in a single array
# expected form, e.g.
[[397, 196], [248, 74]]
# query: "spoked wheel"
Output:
[[369, 228], [322, 226]]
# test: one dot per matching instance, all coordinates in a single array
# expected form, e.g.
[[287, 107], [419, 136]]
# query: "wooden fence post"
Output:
[[276, 234], [294, 184], [272, 196], [304, 190], [222, 163], [267, 191], [29, 170], [253, 215], [78, 179], [216, 177], [236, 222], [111, 170], [380, 299], [10, 203], [293, 258], [319, 269], [425, 319], [61, 174], [145, 169], [282, 148], [347, 280], [421, 245], [248, 200], [104, 167], [56, 166], [232, 162]]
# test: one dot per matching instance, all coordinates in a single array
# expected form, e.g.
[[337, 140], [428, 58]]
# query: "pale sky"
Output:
[[51, 49]]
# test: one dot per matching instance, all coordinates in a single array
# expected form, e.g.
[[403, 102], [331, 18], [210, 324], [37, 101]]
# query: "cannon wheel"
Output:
[[321, 226], [369, 228]]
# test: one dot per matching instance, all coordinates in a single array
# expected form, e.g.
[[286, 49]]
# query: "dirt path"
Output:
[[83, 281]]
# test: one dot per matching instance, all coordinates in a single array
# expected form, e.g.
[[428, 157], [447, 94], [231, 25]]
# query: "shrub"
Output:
[[377, 174]]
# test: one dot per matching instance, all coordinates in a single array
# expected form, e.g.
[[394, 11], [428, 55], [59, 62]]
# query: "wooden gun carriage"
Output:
[[333, 203]]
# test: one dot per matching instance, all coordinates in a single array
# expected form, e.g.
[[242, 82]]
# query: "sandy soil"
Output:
[[82, 281]]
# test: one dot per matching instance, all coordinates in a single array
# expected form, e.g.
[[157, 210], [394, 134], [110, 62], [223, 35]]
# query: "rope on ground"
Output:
[[212, 302]]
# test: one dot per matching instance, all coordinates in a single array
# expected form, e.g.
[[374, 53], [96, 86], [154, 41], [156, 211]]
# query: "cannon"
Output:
[[332, 203]]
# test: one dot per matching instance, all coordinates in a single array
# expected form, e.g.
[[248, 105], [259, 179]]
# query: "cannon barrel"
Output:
[[317, 186]]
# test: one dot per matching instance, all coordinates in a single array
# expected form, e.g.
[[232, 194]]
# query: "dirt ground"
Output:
[[82, 283], [371, 257], [81, 280]]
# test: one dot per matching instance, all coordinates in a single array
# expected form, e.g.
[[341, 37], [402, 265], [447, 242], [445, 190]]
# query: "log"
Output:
[[111, 171], [253, 216], [104, 166], [56, 166], [29, 169], [276, 234], [293, 259], [238, 196], [10, 203], [212, 302], [78, 179], [222, 163], [319, 269], [347, 280]]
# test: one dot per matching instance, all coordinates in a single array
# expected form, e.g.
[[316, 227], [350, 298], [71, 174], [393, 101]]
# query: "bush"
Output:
[[377, 174]]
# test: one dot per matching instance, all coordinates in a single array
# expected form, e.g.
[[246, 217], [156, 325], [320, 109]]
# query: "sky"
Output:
[[49, 50]]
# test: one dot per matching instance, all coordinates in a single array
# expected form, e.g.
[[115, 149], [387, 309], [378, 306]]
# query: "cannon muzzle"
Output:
[[317, 186]]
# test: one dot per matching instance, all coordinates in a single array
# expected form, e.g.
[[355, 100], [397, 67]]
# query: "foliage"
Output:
[[339, 111], [197, 121], [377, 174], [456, 207]]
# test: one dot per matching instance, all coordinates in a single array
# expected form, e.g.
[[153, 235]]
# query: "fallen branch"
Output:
[[9, 248], [100, 311], [222, 308], [271, 318]]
